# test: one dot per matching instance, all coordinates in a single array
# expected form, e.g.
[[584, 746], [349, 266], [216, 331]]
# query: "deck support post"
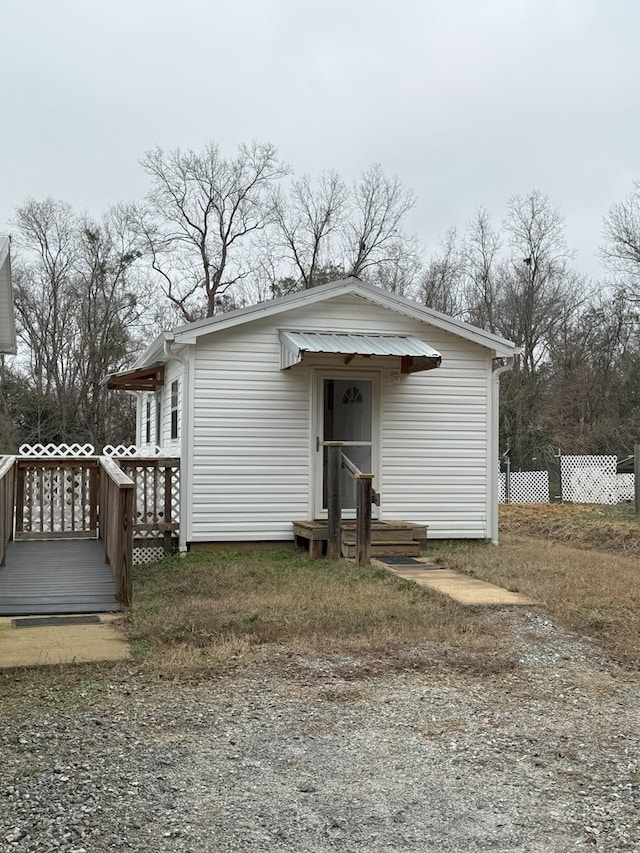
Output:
[[334, 509], [117, 512], [364, 492]]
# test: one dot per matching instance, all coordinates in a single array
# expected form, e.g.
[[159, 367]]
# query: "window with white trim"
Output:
[[174, 409], [147, 421]]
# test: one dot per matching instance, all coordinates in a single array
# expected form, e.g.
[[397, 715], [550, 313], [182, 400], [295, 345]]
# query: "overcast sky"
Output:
[[468, 101]]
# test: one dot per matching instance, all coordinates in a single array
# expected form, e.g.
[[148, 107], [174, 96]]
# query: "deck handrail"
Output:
[[156, 511], [56, 497], [7, 502], [364, 498], [117, 499]]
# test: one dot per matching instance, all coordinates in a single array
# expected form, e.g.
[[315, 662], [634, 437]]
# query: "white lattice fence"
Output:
[[526, 487], [589, 479], [625, 487]]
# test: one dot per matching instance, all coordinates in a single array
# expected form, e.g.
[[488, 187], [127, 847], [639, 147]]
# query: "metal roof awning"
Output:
[[415, 355], [143, 379]]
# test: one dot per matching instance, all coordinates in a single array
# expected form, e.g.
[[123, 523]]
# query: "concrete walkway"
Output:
[[460, 587], [62, 643]]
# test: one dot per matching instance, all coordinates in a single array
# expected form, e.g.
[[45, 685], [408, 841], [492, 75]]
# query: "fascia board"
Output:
[[154, 352], [402, 305], [189, 334]]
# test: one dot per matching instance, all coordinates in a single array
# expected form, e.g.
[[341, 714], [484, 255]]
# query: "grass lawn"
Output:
[[213, 607], [212, 611], [615, 529], [562, 557]]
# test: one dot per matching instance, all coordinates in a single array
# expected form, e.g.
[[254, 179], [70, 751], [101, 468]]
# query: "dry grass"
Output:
[[594, 593], [614, 529], [212, 607]]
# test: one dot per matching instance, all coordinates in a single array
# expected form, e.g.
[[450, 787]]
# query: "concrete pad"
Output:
[[59, 644], [460, 587]]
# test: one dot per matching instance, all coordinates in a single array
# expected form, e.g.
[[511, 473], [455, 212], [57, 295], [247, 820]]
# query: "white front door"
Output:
[[345, 407]]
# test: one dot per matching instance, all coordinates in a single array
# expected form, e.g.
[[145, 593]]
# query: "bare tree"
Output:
[[373, 234], [77, 308], [592, 396], [203, 209], [306, 219], [401, 271], [537, 285], [441, 282], [538, 294], [480, 259], [621, 250]]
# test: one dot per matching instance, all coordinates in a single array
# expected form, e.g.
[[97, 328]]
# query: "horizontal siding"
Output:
[[250, 439], [434, 468], [252, 432]]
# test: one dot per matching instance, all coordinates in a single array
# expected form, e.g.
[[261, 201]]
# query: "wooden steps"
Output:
[[382, 548], [400, 538]]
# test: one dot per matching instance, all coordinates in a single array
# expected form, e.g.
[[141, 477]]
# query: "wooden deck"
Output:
[[59, 576]]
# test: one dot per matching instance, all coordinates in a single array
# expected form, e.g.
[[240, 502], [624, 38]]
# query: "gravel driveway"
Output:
[[309, 755]]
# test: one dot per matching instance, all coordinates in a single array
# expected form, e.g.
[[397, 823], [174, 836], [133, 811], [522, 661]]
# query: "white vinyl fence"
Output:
[[584, 479], [526, 487], [626, 487], [589, 479]]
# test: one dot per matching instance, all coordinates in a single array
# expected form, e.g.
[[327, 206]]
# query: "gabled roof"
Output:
[[7, 321], [351, 286]]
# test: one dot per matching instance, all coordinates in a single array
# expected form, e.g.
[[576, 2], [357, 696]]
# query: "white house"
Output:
[[7, 321], [247, 398]]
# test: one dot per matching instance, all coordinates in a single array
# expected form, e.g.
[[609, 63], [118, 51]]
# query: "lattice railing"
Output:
[[56, 497], [585, 479], [57, 494], [56, 450], [157, 508], [84, 450], [131, 450]]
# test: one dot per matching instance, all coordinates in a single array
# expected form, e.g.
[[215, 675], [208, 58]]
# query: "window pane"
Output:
[[347, 409]]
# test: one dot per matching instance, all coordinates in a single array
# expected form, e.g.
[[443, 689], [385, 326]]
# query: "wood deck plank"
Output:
[[58, 576]]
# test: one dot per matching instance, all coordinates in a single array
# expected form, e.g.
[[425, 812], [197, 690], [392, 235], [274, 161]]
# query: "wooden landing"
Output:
[[387, 537], [57, 576]]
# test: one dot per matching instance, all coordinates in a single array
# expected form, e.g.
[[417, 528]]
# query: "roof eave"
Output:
[[349, 286]]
